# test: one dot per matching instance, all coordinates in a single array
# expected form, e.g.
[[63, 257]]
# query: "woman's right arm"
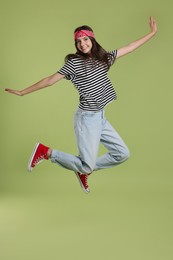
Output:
[[46, 82]]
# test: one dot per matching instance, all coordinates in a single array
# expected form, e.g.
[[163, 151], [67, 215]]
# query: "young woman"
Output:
[[87, 69]]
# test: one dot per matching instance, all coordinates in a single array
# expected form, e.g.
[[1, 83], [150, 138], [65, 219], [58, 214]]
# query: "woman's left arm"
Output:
[[136, 44]]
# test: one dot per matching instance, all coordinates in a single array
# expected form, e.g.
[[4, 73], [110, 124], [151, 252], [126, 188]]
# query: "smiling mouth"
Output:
[[84, 49]]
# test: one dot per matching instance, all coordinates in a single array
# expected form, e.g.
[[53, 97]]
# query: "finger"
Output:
[[11, 91], [8, 90]]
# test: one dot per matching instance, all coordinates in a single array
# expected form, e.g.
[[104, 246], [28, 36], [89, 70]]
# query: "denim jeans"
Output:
[[91, 129]]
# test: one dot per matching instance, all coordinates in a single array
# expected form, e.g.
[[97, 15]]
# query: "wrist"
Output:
[[153, 33]]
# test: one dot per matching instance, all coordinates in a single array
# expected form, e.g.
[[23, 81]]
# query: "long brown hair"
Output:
[[97, 52]]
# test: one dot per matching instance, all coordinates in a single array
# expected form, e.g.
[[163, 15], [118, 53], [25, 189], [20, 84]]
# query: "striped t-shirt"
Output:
[[91, 81]]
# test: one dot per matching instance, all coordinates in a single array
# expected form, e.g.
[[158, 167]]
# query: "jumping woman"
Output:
[[87, 69]]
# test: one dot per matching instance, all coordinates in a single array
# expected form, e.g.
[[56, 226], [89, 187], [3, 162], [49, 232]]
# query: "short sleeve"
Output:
[[68, 70], [112, 56]]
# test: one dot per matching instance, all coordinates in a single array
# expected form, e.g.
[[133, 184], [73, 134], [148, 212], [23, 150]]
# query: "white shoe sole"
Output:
[[31, 158]]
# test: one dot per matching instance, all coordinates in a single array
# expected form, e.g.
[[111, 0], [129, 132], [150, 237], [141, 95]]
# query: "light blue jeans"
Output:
[[91, 129]]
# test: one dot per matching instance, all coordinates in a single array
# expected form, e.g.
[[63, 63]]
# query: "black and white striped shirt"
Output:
[[91, 80]]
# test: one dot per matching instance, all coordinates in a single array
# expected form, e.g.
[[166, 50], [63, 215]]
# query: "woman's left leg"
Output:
[[118, 152]]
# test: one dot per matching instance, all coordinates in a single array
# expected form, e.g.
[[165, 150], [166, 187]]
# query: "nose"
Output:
[[82, 42]]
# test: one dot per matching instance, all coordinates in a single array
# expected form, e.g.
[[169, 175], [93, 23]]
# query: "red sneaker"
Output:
[[38, 155], [83, 178]]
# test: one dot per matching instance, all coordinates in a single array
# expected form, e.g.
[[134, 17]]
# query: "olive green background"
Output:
[[45, 214]]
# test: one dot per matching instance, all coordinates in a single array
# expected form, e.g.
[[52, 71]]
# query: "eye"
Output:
[[78, 41], [86, 38]]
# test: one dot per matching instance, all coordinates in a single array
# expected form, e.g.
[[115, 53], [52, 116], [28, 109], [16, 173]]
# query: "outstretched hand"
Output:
[[12, 91], [153, 25]]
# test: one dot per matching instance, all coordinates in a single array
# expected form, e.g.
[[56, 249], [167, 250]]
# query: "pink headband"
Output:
[[83, 33]]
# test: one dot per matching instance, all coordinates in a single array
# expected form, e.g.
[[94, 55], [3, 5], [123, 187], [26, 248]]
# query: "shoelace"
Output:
[[40, 158], [85, 176]]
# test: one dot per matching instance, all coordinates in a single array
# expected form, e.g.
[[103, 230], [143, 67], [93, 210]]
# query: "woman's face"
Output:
[[84, 44]]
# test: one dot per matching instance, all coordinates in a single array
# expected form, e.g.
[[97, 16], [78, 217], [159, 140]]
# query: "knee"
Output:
[[123, 155], [126, 154]]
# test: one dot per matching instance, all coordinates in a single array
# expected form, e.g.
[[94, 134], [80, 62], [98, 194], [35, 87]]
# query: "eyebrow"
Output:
[[83, 37]]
